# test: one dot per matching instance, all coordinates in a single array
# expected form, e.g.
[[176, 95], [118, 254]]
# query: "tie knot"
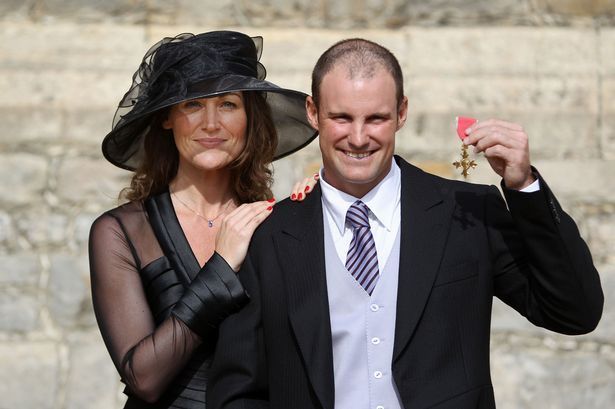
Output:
[[357, 215]]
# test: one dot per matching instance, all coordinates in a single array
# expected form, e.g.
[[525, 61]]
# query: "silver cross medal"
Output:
[[465, 163]]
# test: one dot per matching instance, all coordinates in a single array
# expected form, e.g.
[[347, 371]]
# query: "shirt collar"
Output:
[[381, 200]]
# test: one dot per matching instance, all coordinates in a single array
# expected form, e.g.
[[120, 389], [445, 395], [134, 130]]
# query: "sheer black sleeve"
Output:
[[146, 356]]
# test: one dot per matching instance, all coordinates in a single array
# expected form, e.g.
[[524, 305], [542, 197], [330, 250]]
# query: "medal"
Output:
[[465, 163]]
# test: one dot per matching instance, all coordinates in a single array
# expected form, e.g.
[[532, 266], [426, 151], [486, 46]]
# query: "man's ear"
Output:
[[312, 112], [402, 113]]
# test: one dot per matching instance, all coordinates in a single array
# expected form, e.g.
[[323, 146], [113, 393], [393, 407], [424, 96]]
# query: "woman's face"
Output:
[[209, 132]]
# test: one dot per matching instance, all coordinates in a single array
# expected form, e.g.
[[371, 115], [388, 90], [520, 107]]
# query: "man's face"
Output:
[[357, 119]]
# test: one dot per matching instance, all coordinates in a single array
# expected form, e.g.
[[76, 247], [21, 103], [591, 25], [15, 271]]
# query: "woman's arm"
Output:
[[146, 356]]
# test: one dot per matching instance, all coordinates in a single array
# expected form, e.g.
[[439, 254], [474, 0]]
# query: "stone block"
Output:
[[589, 180], [69, 46], [63, 89], [40, 227], [373, 14], [26, 175], [281, 55], [606, 328], [15, 10], [222, 13], [69, 300], [88, 127], [19, 311], [588, 8], [132, 11], [560, 135], [92, 380], [608, 118], [83, 180], [29, 375], [21, 269], [534, 377], [510, 51], [81, 230], [7, 230], [352, 13], [472, 94], [601, 237], [607, 51], [608, 137], [30, 226], [460, 12], [157, 32], [43, 125]]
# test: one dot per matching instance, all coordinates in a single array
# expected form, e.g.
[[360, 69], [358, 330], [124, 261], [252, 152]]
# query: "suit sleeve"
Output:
[[543, 268], [238, 378]]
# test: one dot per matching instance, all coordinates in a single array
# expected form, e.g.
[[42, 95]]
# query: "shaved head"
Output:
[[362, 59]]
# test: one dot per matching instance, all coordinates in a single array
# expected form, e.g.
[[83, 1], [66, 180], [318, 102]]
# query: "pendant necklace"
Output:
[[210, 222]]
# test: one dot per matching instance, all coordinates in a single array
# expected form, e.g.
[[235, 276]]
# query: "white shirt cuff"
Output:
[[534, 187]]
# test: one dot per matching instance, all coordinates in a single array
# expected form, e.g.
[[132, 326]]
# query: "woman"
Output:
[[198, 127]]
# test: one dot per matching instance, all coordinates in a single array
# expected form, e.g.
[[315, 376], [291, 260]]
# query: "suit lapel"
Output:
[[425, 220], [300, 247]]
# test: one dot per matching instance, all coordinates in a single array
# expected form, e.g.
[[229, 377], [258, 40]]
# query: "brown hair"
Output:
[[251, 175], [361, 57]]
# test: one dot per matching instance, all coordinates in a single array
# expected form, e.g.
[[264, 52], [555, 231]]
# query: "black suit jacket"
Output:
[[460, 246]]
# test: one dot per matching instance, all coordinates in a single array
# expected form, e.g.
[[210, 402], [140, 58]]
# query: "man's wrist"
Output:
[[532, 187]]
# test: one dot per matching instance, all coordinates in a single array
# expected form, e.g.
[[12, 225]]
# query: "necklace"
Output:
[[210, 222]]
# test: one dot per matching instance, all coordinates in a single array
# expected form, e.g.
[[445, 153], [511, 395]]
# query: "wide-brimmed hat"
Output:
[[192, 66]]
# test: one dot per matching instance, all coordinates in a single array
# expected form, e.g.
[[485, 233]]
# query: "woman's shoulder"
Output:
[[121, 217]]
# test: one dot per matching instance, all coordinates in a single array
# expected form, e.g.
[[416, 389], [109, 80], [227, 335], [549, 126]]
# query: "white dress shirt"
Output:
[[384, 202]]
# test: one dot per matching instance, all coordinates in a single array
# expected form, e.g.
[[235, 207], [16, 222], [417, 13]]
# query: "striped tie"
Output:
[[362, 260]]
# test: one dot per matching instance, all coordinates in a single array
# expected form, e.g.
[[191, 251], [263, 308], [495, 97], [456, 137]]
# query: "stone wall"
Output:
[[64, 64]]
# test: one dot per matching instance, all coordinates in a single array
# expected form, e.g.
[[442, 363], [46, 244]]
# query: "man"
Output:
[[376, 291]]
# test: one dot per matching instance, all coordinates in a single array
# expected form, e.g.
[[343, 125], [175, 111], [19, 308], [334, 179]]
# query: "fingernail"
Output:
[[307, 189], [293, 196], [300, 196], [271, 200], [316, 176], [269, 208]]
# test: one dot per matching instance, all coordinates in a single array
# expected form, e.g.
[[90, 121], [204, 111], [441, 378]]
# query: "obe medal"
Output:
[[465, 163]]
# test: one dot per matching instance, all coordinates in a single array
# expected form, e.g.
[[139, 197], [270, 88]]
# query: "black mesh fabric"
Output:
[[137, 280]]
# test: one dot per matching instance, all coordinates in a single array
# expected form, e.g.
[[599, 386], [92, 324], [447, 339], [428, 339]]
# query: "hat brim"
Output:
[[123, 146]]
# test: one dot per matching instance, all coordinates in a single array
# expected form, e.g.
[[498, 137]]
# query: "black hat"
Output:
[[192, 66]]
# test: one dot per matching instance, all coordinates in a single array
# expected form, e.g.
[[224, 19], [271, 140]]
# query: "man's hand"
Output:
[[506, 147]]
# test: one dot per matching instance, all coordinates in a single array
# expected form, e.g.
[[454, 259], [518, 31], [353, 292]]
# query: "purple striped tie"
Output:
[[362, 260]]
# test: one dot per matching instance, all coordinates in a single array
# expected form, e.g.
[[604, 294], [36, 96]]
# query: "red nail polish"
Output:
[[271, 200], [300, 196], [293, 196], [307, 189], [270, 208]]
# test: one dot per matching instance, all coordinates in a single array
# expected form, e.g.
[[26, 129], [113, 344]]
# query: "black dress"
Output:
[[141, 265]]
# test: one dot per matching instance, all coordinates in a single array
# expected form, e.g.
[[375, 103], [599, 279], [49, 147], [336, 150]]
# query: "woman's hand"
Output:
[[302, 188], [236, 229]]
